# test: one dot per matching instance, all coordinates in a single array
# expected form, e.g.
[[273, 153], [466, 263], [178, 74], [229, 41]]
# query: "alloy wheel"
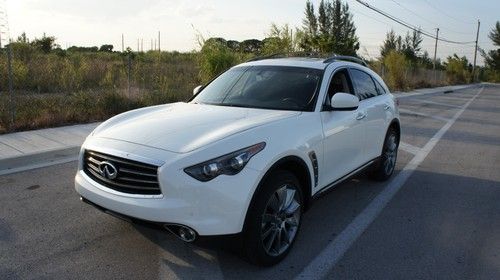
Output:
[[390, 155], [280, 220]]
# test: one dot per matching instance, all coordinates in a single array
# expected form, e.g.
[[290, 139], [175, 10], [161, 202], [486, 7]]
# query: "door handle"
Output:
[[387, 107], [360, 116]]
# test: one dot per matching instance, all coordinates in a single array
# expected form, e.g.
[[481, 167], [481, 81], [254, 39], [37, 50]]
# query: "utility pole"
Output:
[[142, 45], [123, 43], [11, 87], [159, 46], [475, 53], [435, 49], [435, 53]]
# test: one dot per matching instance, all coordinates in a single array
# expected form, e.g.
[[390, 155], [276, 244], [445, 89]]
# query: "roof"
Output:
[[307, 62]]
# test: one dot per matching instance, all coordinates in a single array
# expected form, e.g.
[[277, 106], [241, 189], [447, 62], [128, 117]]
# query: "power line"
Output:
[[410, 26], [446, 14], [374, 18], [421, 17]]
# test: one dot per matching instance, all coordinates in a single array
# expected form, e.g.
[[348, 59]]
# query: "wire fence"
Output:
[[414, 77], [41, 90]]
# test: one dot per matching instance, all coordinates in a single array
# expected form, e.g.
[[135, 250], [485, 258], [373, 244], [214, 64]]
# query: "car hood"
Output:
[[184, 127]]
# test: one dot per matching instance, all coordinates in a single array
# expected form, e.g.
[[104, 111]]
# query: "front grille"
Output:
[[132, 177]]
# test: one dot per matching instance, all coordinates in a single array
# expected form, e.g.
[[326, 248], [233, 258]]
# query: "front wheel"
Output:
[[384, 167], [274, 219]]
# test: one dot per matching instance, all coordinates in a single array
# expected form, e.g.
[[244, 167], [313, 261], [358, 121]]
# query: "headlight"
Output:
[[229, 164]]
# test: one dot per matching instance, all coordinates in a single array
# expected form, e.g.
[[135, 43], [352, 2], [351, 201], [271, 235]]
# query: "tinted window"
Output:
[[380, 88], [363, 83], [339, 83], [267, 87]]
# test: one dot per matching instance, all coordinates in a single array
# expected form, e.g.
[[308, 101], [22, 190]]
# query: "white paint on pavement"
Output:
[[409, 148], [438, 103], [413, 113], [319, 267]]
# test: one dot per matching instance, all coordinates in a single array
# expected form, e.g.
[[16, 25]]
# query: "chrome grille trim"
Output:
[[133, 177]]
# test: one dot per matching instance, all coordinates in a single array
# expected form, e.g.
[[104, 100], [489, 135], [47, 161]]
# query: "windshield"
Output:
[[266, 87]]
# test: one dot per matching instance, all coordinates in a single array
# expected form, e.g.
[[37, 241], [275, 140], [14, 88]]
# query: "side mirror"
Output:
[[342, 101], [197, 89]]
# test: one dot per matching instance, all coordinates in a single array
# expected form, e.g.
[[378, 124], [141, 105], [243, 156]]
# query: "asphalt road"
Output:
[[438, 218]]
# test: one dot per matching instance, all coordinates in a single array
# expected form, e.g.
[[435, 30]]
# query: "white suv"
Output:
[[247, 154]]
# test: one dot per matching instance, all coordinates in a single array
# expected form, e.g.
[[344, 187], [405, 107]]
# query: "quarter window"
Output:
[[364, 85], [380, 88]]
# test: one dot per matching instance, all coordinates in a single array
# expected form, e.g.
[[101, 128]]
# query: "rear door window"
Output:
[[364, 85], [380, 88]]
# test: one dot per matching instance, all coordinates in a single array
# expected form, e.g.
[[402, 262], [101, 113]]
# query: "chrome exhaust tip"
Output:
[[184, 233]]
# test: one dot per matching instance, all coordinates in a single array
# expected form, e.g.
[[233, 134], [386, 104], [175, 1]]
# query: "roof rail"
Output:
[[289, 54], [346, 58]]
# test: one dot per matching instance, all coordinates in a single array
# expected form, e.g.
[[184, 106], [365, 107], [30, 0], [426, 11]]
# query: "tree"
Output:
[[492, 58], [233, 45], [106, 48], [410, 47], [250, 46], [279, 40], [22, 38], [45, 44], [83, 49], [494, 34], [331, 30], [392, 42]]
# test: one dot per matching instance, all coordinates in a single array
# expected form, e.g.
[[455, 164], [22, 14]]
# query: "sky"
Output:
[[98, 22]]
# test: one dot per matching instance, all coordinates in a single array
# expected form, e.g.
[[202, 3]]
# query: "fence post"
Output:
[[11, 88], [129, 67]]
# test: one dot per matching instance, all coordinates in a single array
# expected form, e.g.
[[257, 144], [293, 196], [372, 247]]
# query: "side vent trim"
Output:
[[314, 162]]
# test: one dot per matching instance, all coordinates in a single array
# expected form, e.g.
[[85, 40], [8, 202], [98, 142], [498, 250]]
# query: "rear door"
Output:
[[372, 111]]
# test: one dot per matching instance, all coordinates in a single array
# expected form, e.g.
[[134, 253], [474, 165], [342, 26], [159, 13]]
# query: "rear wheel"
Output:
[[274, 219], [384, 167]]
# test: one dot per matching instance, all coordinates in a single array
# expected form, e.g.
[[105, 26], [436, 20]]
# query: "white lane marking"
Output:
[[413, 113], [319, 267], [437, 103], [38, 165], [409, 148]]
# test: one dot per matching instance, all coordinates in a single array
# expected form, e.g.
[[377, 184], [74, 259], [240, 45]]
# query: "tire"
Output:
[[384, 167], [273, 218]]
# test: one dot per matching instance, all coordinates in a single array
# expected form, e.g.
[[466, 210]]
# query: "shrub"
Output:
[[214, 58], [396, 66], [457, 70]]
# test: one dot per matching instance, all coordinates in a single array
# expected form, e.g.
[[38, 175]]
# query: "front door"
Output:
[[343, 134]]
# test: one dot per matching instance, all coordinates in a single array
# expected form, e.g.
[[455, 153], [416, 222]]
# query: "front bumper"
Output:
[[216, 207]]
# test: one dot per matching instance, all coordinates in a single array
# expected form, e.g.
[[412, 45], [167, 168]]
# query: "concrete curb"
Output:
[[425, 91], [38, 160]]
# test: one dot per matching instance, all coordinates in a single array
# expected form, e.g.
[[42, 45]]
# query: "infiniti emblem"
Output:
[[108, 170]]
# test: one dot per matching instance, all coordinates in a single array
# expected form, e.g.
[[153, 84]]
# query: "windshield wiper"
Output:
[[237, 105]]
